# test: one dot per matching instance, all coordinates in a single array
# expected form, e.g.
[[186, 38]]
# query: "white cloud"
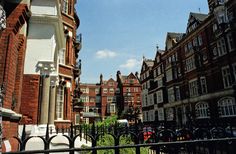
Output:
[[101, 54], [131, 63]]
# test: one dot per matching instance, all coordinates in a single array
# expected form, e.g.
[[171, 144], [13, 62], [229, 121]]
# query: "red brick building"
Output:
[[108, 97], [130, 98], [38, 67], [196, 72], [12, 53]]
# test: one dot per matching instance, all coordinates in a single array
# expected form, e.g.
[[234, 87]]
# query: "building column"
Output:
[[46, 68], [45, 100], [52, 104]]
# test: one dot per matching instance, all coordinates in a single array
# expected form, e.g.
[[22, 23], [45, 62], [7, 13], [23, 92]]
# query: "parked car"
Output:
[[148, 133]]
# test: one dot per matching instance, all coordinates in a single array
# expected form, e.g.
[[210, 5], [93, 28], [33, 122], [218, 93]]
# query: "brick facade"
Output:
[[195, 73], [12, 53]]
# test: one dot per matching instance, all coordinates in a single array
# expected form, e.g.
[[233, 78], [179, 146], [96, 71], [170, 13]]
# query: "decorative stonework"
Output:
[[46, 67], [2, 18]]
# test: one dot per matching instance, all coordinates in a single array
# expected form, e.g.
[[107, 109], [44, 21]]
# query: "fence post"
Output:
[[93, 133], [71, 137], [117, 151], [47, 138], [23, 136]]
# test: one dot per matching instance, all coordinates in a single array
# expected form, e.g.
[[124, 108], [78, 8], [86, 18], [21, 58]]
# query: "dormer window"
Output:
[[221, 1], [220, 14]]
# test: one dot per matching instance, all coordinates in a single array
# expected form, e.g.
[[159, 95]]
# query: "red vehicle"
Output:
[[148, 132]]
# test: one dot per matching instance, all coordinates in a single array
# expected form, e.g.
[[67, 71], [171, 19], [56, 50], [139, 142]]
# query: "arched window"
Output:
[[227, 107], [202, 110]]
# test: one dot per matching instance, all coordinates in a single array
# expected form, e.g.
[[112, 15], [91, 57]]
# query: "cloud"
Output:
[[131, 63], [101, 54]]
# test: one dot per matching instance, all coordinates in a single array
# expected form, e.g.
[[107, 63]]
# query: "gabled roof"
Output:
[[147, 63], [198, 16], [172, 38]]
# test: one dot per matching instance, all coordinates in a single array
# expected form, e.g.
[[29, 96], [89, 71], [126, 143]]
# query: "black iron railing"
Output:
[[199, 140]]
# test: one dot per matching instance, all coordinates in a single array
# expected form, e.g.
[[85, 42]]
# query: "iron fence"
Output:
[[156, 140]]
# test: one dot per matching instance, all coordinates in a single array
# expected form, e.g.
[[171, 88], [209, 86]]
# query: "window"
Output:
[[65, 6], [195, 42], [60, 102], [159, 96], [226, 77], [199, 40], [62, 56], [154, 73], [227, 107], [221, 47], [135, 89], [159, 71], [202, 110], [177, 93], [190, 46], [151, 102], [77, 118], [169, 114], [221, 1], [112, 108], [105, 90], [84, 98], [109, 99], [111, 90], [186, 49], [159, 82], [193, 88], [92, 99], [148, 84], [169, 75], [128, 90], [190, 64], [203, 85], [230, 42], [85, 90], [171, 95], [111, 83]]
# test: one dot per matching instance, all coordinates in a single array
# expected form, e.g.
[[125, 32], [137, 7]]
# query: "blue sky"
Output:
[[118, 33]]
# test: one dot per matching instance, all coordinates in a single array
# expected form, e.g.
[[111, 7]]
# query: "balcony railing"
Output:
[[90, 114]]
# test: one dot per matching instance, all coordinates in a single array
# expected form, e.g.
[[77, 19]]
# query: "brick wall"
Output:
[[12, 50], [29, 99]]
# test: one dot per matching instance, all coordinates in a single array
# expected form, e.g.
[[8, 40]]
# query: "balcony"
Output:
[[90, 115], [77, 104], [78, 44], [77, 69]]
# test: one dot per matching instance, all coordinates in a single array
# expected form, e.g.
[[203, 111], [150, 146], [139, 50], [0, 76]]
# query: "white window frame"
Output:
[[230, 42], [171, 94], [199, 38], [77, 118], [65, 6], [111, 90], [169, 75], [202, 109], [159, 96], [221, 47], [190, 64], [177, 93], [227, 107], [60, 102], [203, 85], [226, 77], [105, 90], [193, 88], [61, 56]]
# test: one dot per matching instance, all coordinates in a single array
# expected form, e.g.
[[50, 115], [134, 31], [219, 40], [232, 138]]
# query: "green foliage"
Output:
[[111, 120]]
